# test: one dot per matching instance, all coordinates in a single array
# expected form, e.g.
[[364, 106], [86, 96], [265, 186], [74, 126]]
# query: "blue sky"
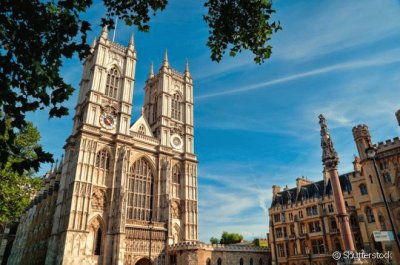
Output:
[[256, 126]]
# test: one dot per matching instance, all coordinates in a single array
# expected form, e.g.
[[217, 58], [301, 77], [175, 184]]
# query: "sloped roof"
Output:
[[315, 189]]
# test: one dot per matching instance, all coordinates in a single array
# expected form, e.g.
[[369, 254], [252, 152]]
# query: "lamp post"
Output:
[[150, 230], [371, 154]]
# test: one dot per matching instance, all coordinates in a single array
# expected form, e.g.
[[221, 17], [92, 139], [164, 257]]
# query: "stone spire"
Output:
[[131, 45], [165, 62], [330, 158], [187, 73], [151, 71], [93, 44], [104, 34]]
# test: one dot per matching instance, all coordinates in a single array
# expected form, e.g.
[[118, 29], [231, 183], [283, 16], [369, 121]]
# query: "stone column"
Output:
[[330, 161]]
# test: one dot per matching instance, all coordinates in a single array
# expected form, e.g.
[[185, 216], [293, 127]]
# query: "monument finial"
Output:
[[93, 44], [151, 71], [165, 62], [187, 68], [131, 44], [104, 33], [330, 158]]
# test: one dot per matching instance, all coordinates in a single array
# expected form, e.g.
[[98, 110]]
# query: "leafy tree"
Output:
[[230, 238], [35, 36], [214, 240], [16, 189]]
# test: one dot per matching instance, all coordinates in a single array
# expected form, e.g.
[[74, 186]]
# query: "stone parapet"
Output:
[[216, 247]]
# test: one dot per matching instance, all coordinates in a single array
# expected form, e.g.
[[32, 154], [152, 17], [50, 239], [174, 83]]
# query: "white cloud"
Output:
[[381, 59], [332, 26]]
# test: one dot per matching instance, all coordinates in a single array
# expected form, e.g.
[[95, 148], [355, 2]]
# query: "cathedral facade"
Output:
[[124, 191]]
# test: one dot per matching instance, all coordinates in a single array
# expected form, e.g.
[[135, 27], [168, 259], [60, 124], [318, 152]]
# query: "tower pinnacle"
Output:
[[93, 44], [131, 45], [187, 68], [151, 71], [165, 62], [330, 158], [104, 33]]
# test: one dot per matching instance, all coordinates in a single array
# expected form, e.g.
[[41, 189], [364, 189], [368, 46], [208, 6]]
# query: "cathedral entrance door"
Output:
[[143, 261]]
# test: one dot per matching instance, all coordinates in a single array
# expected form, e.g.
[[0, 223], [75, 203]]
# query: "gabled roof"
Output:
[[141, 121]]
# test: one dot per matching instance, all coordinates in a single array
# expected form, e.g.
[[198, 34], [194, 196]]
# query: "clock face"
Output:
[[107, 121], [176, 141]]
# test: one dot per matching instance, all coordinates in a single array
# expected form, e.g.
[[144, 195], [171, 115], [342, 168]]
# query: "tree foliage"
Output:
[[37, 35], [238, 25], [227, 238], [16, 189], [214, 240]]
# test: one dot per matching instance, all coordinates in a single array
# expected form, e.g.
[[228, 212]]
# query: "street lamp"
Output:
[[371, 154], [151, 226]]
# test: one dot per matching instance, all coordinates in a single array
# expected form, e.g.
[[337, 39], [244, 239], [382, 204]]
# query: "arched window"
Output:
[[112, 84], [241, 261], [97, 247], [155, 108], [208, 262], [219, 261], [363, 189], [370, 215], [176, 107], [251, 261], [176, 174], [142, 130], [103, 159], [140, 191], [260, 262]]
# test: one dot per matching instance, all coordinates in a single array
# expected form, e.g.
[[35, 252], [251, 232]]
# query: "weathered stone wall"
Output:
[[198, 254]]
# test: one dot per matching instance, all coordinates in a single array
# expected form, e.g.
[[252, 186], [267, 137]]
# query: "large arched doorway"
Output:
[[143, 261]]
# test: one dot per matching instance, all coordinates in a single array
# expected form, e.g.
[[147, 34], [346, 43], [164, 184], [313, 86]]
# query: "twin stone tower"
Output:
[[120, 187]]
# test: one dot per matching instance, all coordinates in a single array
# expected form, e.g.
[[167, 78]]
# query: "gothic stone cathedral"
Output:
[[120, 187]]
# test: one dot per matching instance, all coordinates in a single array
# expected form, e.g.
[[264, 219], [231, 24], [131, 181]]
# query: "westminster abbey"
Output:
[[121, 186]]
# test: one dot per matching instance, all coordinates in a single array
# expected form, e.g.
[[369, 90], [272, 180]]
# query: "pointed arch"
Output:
[[176, 174], [103, 158], [102, 166], [176, 107], [154, 108], [95, 238], [113, 82], [176, 233], [140, 190]]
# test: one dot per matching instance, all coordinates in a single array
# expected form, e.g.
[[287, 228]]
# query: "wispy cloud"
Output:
[[332, 26], [377, 61]]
